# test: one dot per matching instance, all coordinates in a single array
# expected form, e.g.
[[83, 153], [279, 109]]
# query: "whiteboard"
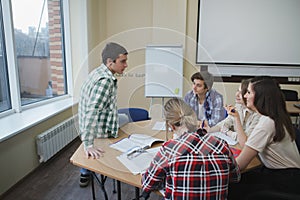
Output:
[[163, 71]]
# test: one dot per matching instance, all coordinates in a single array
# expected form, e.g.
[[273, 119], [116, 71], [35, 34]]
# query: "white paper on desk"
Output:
[[140, 163], [228, 139], [124, 145], [159, 126], [134, 141]]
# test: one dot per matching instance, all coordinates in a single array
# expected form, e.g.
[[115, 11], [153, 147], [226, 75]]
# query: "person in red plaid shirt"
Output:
[[192, 165]]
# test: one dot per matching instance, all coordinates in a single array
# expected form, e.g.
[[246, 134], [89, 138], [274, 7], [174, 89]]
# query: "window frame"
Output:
[[5, 70], [13, 76], [20, 118]]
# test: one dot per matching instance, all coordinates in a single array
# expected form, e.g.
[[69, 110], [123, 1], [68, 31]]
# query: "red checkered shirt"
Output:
[[192, 167]]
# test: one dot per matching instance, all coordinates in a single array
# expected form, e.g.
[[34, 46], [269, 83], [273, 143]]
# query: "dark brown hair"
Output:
[[244, 89], [204, 76], [112, 50], [269, 101]]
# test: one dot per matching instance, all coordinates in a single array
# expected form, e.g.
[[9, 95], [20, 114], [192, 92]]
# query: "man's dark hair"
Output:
[[204, 76], [112, 50]]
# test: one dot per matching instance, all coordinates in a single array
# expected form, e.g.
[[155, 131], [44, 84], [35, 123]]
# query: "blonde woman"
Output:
[[193, 165]]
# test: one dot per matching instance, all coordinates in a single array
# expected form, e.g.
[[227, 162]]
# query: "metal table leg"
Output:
[[119, 189], [101, 184], [93, 187], [137, 193]]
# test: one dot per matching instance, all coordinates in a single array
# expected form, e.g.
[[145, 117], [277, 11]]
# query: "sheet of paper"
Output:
[[144, 139], [140, 163], [134, 141], [124, 145], [159, 126], [228, 139]]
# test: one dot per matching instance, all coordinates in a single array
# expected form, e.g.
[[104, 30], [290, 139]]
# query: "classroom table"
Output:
[[291, 108], [110, 166]]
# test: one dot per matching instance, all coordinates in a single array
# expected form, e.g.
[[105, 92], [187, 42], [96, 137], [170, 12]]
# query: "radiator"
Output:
[[53, 140]]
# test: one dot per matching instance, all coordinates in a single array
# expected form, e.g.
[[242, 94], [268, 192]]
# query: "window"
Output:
[[4, 92], [38, 53]]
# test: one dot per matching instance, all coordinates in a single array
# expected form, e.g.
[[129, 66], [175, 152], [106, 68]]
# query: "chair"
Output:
[[123, 119], [297, 132], [291, 95], [135, 114]]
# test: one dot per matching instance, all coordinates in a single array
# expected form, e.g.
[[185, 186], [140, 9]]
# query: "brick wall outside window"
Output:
[[55, 45]]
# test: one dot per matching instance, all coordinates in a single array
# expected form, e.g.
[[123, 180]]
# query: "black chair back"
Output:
[[297, 131], [290, 95]]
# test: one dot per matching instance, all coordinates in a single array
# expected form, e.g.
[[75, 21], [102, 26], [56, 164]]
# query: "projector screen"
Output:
[[247, 35]]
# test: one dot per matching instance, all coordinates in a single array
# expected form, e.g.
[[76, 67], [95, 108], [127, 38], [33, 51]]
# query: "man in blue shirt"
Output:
[[205, 101]]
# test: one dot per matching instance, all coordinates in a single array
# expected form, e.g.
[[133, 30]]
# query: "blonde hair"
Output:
[[178, 113]]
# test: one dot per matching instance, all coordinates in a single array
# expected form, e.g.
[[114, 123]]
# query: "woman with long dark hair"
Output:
[[273, 140]]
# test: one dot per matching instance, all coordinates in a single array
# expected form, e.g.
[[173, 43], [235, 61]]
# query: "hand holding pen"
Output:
[[230, 109]]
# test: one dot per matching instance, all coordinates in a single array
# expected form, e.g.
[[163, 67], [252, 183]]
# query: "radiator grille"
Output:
[[53, 140]]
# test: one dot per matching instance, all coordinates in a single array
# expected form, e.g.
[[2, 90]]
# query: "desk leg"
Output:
[[101, 184], [114, 186], [119, 190], [93, 187], [137, 193]]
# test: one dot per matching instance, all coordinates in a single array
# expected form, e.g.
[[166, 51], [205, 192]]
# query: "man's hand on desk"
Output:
[[93, 152]]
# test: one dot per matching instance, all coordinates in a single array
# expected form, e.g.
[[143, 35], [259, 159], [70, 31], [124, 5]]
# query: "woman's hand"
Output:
[[231, 110]]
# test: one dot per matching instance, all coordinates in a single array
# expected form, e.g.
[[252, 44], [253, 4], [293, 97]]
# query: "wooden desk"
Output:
[[110, 166], [294, 111], [291, 108]]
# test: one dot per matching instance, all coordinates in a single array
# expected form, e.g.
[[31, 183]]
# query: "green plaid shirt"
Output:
[[97, 110]]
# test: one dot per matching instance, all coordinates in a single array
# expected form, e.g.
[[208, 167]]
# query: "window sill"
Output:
[[18, 122]]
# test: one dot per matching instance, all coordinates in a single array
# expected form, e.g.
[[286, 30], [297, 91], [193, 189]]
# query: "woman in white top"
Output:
[[240, 119], [273, 140]]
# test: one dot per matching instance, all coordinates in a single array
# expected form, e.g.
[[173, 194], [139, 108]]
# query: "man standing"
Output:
[[97, 110]]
